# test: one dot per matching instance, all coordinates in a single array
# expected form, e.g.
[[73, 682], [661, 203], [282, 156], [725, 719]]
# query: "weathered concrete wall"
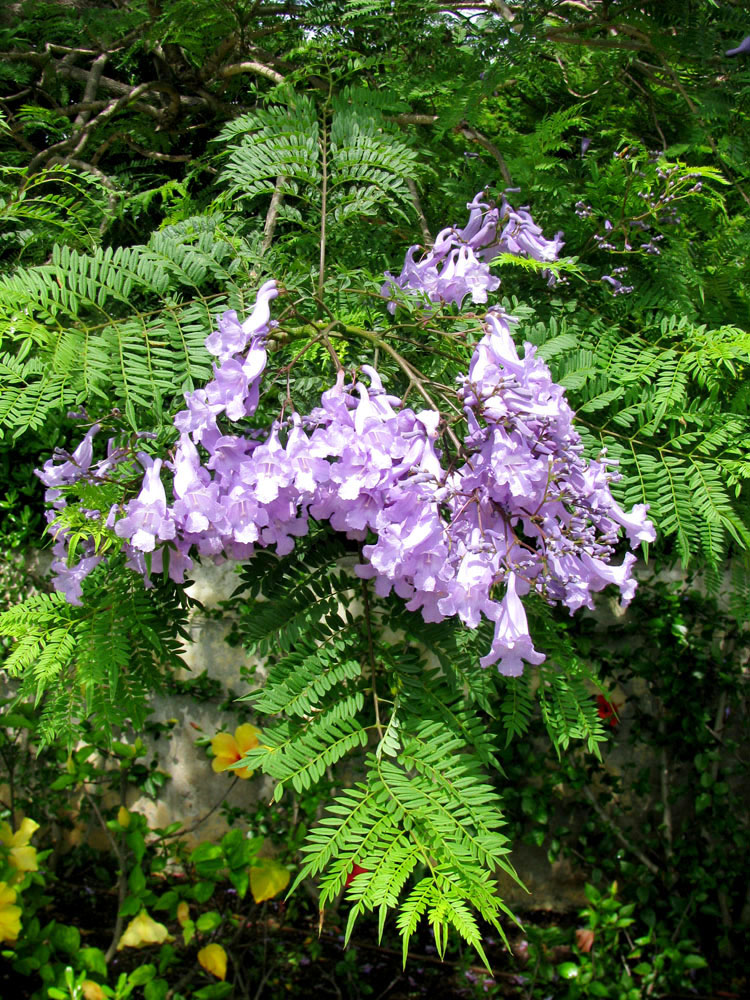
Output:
[[195, 789]]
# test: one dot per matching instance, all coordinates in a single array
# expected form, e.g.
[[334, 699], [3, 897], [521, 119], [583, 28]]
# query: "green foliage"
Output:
[[124, 327], [174, 897], [328, 173], [596, 967], [347, 672], [660, 815], [99, 662]]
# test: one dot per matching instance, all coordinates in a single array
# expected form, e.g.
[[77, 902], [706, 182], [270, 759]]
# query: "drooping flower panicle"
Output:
[[520, 511], [457, 264]]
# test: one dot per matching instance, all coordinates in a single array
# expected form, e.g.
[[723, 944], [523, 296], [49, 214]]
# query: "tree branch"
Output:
[[426, 234], [484, 142], [654, 869], [259, 69], [92, 86], [272, 215]]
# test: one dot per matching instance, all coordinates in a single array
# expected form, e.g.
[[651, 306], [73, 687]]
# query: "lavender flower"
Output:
[[742, 49], [146, 518]]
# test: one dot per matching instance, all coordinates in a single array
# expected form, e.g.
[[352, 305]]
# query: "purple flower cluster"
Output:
[[658, 206], [517, 509], [64, 470], [457, 264]]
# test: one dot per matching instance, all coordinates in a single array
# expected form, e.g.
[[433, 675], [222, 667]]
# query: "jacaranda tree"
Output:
[[419, 473]]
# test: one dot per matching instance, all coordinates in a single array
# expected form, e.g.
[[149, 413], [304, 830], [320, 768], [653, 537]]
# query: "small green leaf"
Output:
[[203, 891], [65, 938], [142, 975], [92, 960], [137, 881], [695, 962], [208, 922]]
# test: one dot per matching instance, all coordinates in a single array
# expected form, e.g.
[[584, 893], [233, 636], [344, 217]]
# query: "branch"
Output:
[[323, 208], [484, 142], [81, 137], [222, 50], [654, 869], [504, 10], [561, 35], [92, 85], [413, 119], [122, 879], [426, 235], [371, 656], [272, 215], [251, 67], [149, 154], [124, 89]]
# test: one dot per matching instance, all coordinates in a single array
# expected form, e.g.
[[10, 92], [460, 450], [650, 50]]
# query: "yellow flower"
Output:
[[22, 856], [92, 990], [123, 817], [213, 958], [229, 749], [10, 916], [142, 931]]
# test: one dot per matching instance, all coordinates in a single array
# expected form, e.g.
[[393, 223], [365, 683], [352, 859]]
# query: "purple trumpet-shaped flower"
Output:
[[519, 507], [742, 49], [512, 643], [69, 579], [232, 337], [55, 473], [146, 518]]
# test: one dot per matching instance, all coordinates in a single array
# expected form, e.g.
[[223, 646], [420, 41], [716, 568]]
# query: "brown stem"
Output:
[[664, 781], [272, 215], [92, 85], [426, 235], [250, 66], [413, 373], [202, 820], [371, 657], [122, 875], [484, 142]]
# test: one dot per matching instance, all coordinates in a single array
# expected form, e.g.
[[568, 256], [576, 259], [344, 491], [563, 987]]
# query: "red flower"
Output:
[[608, 710], [356, 870]]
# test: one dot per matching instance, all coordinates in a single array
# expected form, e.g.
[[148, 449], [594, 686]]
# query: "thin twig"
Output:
[[426, 234], [371, 657], [122, 876], [666, 807], [202, 820], [272, 215], [408, 369], [654, 869], [484, 142]]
